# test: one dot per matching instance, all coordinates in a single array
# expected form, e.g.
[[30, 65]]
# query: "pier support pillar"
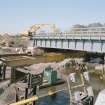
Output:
[[103, 63], [34, 93], [1, 70], [26, 93], [13, 74], [4, 71]]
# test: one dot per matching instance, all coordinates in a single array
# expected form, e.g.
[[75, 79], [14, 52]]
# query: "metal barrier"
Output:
[[26, 101], [51, 92]]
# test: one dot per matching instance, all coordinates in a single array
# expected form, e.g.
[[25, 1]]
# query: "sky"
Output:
[[19, 15]]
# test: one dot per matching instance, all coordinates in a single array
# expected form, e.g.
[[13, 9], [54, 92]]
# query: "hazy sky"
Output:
[[18, 15]]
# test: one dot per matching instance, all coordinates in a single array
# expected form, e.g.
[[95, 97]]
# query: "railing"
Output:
[[80, 33], [53, 36]]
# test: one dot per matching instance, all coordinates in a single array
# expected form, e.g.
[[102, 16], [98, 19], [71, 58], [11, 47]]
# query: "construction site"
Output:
[[45, 76]]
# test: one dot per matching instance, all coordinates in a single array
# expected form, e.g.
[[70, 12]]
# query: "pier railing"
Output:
[[69, 36]]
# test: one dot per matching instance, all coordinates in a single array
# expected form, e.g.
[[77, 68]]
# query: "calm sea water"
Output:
[[61, 98]]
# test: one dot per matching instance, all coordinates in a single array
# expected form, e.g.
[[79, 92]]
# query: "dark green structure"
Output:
[[50, 75]]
